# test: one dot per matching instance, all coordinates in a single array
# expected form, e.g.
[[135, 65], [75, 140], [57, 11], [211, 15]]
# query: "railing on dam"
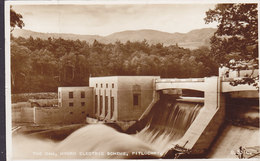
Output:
[[200, 84], [192, 83], [180, 80]]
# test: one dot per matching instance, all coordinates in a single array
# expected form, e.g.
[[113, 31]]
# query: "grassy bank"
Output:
[[24, 97]]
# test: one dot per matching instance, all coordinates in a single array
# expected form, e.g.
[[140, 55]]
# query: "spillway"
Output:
[[167, 122]]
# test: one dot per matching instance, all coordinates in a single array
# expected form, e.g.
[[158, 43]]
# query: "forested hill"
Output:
[[50, 63], [192, 40]]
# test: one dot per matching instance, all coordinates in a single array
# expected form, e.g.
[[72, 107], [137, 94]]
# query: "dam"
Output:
[[166, 123]]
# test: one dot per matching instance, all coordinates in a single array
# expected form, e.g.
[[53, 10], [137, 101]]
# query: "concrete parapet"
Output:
[[180, 80], [23, 114], [47, 116], [16, 115], [27, 114]]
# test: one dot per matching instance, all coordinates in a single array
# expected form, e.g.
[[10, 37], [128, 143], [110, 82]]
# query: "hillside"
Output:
[[28, 33], [152, 36], [192, 39]]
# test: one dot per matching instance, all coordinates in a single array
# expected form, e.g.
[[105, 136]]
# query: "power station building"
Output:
[[112, 98], [121, 98], [76, 102]]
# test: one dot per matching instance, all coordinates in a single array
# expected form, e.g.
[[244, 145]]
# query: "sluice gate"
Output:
[[195, 135], [167, 122]]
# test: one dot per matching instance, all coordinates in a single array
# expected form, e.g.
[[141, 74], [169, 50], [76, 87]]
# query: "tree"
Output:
[[15, 19], [20, 66], [208, 65], [235, 43]]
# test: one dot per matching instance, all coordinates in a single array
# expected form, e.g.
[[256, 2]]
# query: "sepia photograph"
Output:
[[132, 80]]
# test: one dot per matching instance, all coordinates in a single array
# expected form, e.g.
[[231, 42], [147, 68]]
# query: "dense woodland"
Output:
[[39, 65]]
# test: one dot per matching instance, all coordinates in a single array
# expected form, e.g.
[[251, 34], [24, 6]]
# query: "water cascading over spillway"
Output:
[[167, 122]]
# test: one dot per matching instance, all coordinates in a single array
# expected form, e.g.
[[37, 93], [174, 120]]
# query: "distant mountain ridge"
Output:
[[192, 39]]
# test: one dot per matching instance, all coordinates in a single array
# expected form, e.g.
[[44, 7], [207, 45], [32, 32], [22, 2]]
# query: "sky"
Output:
[[107, 19]]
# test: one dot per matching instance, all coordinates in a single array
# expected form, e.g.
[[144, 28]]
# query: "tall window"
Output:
[[136, 100], [113, 85], [106, 105], [96, 104], [101, 104], [82, 103], [106, 85], [136, 95], [101, 85], [112, 106], [82, 94], [70, 94]]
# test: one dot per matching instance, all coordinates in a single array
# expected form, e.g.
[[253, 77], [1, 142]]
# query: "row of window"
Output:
[[136, 100], [101, 85], [82, 94], [71, 104]]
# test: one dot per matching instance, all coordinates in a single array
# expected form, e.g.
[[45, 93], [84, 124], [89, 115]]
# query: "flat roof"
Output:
[[77, 87], [126, 76]]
